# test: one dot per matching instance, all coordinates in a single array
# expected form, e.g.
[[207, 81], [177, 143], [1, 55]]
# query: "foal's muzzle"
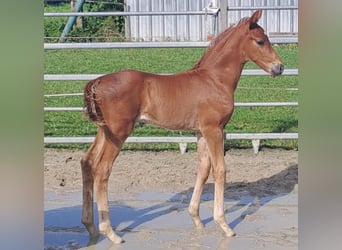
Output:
[[277, 69]]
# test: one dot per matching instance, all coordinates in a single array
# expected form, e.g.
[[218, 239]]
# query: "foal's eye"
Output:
[[260, 42]]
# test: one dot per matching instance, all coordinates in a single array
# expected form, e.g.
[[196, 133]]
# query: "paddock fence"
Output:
[[182, 140]]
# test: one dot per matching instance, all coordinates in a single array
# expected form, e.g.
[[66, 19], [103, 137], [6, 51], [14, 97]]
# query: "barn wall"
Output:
[[200, 28]]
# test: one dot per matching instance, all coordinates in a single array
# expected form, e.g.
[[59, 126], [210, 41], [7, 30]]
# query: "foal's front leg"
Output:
[[214, 138]]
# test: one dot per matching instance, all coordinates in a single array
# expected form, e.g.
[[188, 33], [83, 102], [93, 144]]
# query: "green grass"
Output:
[[99, 29], [109, 60], [98, 61]]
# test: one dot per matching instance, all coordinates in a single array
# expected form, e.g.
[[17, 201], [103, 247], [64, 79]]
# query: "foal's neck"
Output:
[[227, 67]]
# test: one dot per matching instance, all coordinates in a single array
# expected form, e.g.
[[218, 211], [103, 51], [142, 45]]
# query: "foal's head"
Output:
[[257, 47]]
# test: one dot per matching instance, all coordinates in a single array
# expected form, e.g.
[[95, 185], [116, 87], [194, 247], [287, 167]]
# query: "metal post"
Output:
[[79, 22], [71, 20], [223, 15], [211, 24], [127, 8]]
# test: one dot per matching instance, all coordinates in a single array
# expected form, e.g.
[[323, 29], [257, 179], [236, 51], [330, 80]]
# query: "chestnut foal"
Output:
[[200, 99]]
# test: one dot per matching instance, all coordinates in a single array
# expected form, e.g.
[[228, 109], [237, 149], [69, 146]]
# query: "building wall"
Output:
[[200, 28]]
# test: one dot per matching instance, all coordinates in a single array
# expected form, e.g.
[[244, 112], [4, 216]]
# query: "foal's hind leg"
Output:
[[102, 173], [88, 164], [203, 170], [96, 169], [115, 136]]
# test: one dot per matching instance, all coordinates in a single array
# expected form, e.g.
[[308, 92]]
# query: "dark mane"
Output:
[[216, 44], [226, 32]]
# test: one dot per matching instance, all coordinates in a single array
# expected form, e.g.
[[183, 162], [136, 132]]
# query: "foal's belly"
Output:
[[169, 122]]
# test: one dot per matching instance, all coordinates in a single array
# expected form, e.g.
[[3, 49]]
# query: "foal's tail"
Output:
[[91, 102]]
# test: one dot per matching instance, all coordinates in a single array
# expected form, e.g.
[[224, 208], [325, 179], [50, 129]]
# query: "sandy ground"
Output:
[[270, 173]]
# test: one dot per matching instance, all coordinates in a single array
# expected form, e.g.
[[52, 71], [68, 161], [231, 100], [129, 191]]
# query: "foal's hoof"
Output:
[[93, 239], [118, 241], [199, 225], [230, 233], [115, 239], [197, 222]]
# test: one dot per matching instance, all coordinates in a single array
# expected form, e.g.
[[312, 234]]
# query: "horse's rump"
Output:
[[91, 102]]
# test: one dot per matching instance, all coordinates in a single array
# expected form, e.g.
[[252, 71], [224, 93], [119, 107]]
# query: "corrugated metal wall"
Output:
[[199, 28], [167, 28], [273, 21]]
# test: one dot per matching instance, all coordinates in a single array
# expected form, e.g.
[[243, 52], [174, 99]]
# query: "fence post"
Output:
[[79, 21], [256, 145], [182, 147], [127, 8], [223, 15], [71, 20]]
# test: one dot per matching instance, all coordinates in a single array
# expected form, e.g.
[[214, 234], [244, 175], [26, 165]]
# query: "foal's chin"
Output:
[[274, 74]]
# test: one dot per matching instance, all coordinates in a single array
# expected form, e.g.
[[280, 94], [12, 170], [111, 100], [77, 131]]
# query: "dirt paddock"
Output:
[[270, 172], [262, 220]]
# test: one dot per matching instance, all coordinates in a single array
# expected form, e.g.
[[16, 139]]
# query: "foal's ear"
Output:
[[255, 17]]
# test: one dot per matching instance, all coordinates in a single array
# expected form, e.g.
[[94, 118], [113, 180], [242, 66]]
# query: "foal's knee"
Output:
[[219, 172]]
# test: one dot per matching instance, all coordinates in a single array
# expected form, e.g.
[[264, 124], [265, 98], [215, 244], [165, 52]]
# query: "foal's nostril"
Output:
[[277, 69]]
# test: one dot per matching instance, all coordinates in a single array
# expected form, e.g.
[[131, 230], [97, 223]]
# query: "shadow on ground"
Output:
[[63, 229]]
